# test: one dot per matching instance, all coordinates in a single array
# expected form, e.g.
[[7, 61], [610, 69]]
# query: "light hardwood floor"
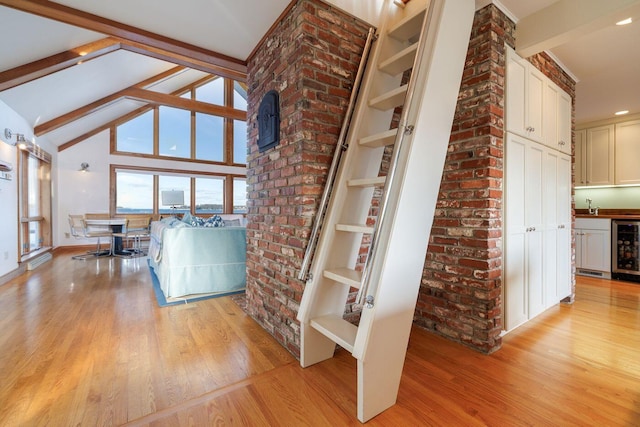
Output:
[[84, 343]]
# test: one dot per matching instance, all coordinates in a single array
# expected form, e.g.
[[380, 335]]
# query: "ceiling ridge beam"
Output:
[[60, 61], [185, 60], [155, 44], [85, 110]]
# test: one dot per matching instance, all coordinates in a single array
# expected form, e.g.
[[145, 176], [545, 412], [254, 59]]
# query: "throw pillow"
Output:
[[186, 218], [214, 221]]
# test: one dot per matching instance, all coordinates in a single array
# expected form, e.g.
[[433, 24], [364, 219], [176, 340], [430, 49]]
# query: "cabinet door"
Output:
[[596, 250], [517, 69], [535, 84], [581, 159], [564, 122], [551, 227], [599, 156], [550, 127], [577, 234], [627, 153], [534, 165], [563, 270], [515, 254], [525, 97]]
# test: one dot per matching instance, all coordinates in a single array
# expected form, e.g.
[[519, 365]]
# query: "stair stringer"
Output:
[[384, 329], [324, 296]]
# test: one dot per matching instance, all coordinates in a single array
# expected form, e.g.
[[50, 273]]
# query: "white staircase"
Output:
[[432, 38]]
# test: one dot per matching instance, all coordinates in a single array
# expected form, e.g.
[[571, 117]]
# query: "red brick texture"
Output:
[[310, 58], [461, 292]]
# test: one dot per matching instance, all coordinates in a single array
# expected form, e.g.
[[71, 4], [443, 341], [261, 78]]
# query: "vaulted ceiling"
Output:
[[71, 67]]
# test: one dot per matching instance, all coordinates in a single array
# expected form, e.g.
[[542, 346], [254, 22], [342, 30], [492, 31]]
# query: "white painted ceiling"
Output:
[[606, 62]]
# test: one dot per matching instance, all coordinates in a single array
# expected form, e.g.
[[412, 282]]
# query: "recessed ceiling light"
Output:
[[625, 21], [622, 113]]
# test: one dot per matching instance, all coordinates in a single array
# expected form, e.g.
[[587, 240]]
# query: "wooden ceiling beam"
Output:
[[566, 20], [83, 111], [60, 61], [185, 60], [157, 98], [140, 40], [81, 138]]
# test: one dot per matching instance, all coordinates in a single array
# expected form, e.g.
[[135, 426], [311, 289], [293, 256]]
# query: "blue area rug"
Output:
[[162, 300]]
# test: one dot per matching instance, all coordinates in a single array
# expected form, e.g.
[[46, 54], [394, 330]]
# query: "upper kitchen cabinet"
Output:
[[525, 97], [565, 109], [627, 153], [557, 117], [599, 155]]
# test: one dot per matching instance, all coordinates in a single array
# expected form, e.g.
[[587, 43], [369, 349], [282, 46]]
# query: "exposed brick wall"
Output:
[[310, 58], [461, 292]]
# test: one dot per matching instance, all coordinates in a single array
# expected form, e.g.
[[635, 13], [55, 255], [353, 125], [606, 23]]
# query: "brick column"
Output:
[[310, 57]]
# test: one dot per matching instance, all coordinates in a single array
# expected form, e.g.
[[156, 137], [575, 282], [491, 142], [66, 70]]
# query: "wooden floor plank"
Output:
[[84, 343]]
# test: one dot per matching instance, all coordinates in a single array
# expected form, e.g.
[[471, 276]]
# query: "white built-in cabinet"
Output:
[[608, 154], [627, 153], [537, 196], [525, 96], [593, 247], [537, 214]]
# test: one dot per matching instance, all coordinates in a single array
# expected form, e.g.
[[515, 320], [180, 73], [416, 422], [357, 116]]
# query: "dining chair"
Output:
[[79, 230], [136, 228]]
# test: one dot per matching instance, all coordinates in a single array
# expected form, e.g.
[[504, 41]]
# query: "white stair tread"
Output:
[[347, 276], [380, 139], [367, 182], [337, 329], [390, 99], [399, 62], [409, 27], [355, 228]]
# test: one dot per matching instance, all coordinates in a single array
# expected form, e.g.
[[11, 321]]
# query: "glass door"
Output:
[[625, 247]]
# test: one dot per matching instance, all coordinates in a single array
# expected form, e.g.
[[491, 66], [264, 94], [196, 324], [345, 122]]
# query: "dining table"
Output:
[[116, 225]]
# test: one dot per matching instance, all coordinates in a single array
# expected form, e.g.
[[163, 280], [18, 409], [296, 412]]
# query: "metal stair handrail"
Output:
[[335, 163], [365, 297]]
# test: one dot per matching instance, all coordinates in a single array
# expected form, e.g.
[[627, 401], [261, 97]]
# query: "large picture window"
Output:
[[136, 135], [139, 190], [34, 201], [216, 136]]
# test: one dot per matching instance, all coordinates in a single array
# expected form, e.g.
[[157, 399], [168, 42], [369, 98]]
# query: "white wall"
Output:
[[80, 192], [9, 254], [367, 10]]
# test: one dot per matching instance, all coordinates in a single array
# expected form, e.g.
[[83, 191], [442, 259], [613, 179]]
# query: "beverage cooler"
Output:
[[625, 262]]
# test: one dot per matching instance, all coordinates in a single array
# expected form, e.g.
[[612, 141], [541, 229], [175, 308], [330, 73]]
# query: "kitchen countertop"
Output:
[[631, 214]]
